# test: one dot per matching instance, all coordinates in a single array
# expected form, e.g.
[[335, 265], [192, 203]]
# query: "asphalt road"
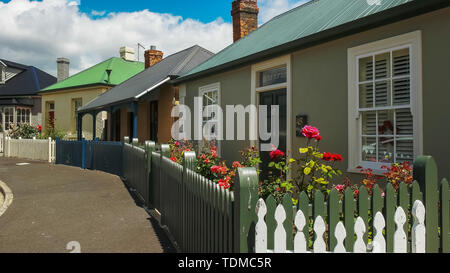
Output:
[[55, 205]]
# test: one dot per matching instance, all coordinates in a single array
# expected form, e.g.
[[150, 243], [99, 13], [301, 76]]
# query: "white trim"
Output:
[[211, 88], [153, 87], [260, 67], [413, 40]]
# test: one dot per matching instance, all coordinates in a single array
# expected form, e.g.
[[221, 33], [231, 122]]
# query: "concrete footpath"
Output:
[[57, 208]]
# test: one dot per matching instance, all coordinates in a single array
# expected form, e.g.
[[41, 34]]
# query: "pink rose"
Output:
[[310, 132]]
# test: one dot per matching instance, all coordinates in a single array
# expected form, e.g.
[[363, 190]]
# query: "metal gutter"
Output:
[[402, 12], [153, 87]]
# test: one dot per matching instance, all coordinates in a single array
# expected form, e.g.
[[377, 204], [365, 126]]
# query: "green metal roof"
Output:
[[303, 21], [122, 70]]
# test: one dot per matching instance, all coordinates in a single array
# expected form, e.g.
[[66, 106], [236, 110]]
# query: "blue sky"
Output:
[[202, 10], [40, 31]]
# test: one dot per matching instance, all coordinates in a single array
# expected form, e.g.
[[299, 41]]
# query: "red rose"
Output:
[[278, 189], [174, 159], [177, 144], [337, 157], [207, 161], [318, 138], [215, 169], [276, 154], [236, 164], [310, 132], [327, 156]]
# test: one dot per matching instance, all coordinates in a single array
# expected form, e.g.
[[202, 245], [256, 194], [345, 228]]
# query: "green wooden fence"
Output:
[[426, 188], [196, 212], [202, 217]]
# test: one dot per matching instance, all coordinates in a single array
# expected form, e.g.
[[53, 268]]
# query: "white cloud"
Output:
[[271, 8], [98, 13], [36, 33]]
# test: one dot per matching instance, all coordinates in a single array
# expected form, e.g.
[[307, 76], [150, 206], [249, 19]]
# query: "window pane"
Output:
[[386, 122], [401, 91], [369, 123], [366, 95], [405, 149], [383, 93], [386, 149], [401, 62], [273, 76], [366, 69], [383, 66], [369, 149], [404, 119]]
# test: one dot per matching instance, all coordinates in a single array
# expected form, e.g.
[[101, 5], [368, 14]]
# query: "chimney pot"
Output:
[[63, 68], [245, 18], [153, 56], [127, 53]]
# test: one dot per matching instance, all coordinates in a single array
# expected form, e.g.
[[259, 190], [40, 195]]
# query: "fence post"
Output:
[[165, 152], [9, 146], [83, 151], [126, 140], [426, 173], [149, 148], [245, 218], [135, 142], [49, 150], [189, 160]]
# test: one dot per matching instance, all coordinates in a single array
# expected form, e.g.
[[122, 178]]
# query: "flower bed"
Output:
[[312, 171]]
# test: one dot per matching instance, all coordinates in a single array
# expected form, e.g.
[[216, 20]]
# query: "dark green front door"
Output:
[[277, 97]]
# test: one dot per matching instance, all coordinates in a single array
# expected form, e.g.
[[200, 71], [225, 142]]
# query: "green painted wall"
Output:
[[319, 84]]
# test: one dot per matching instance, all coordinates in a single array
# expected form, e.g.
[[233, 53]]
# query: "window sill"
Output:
[[358, 171]]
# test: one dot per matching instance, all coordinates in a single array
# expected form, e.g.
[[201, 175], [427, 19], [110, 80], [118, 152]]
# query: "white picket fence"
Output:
[[34, 149], [378, 245]]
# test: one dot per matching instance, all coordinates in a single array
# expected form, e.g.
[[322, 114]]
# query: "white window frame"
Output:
[[413, 41], [2, 73], [18, 113], [214, 87], [256, 90]]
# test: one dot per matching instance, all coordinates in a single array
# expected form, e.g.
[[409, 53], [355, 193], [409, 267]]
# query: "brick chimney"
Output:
[[245, 17], [62, 68], [152, 56]]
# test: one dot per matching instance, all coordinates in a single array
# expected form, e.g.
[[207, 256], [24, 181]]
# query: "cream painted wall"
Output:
[[63, 110]]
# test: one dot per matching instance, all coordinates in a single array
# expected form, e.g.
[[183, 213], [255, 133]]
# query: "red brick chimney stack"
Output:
[[245, 17], [152, 56]]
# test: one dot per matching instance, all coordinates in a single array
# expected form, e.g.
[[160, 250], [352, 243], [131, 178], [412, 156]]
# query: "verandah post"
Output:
[[426, 173], [245, 218]]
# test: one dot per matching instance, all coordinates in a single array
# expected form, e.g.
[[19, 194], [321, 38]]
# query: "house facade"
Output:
[[373, 79], [141, 107], [61, 101], [19, 99]]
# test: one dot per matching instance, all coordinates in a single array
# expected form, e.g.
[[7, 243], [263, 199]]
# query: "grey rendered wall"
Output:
[[320, 85], [320, 88], [235, 89]]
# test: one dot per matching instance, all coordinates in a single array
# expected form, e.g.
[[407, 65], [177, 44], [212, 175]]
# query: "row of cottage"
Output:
[[374, 77]]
